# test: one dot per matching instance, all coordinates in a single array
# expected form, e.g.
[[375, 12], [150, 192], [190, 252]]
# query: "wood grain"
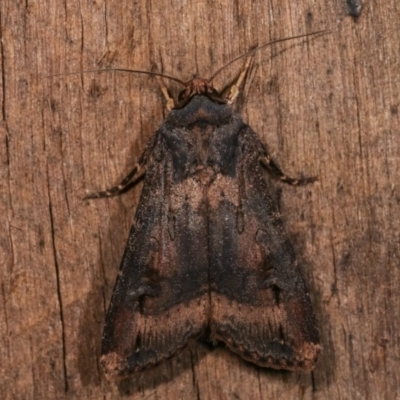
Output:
[[326, 106]]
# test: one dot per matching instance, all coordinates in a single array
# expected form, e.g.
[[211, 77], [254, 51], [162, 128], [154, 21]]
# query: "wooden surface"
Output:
[[326, 106]]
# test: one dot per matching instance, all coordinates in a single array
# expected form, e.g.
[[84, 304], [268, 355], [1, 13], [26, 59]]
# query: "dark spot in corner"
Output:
[[309, 18], [53, 105], [57, 131], [41, 241], [96, 91], [394, 110], [339, 186], [354, 8], [334, 289], [345, 260], [272, 85]]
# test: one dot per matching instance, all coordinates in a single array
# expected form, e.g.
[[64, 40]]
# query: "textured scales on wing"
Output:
[[160, 299], [260, 306]]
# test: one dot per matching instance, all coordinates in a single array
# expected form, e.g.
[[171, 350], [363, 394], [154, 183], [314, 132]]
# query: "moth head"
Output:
[[199, 86], [195, 87]]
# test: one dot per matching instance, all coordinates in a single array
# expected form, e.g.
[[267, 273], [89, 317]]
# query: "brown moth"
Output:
[[207, 255]]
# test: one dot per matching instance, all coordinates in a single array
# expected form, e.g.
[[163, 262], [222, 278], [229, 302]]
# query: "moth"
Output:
[[207, 255]]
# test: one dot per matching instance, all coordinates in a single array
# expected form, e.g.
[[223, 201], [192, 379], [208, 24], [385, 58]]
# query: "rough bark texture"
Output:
[[326, 106]]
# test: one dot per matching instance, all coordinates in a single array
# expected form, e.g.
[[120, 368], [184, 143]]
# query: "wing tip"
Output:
[[115, 366], [302, 359]]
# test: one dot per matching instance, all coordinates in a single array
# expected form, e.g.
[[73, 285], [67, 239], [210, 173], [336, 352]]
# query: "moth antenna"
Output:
[[136, 71], [261, 47]]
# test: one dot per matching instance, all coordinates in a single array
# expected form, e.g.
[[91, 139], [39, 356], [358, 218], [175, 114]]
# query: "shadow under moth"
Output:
[[207, 255]]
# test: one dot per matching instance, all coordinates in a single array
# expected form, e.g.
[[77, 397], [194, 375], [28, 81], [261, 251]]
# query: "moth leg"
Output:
[[170, 100], [129, 181], [235, 88], [275, 171]]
